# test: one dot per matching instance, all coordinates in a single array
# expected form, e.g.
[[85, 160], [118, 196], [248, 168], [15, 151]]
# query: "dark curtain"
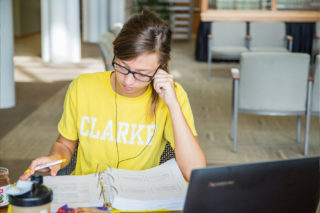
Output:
[[302, 34], [202, 41], [302, 38]]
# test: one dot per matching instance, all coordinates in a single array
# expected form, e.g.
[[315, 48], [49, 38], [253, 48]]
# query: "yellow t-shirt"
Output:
[[91, 111]]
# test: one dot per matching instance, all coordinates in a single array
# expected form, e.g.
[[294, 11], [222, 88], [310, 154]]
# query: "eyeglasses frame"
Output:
[[133, 72]]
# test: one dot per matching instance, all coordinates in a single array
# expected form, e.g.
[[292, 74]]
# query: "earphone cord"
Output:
[[115, 100], [147, 145]]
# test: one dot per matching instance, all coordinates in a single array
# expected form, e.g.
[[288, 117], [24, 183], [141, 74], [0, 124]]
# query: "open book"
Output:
[[161, 187]]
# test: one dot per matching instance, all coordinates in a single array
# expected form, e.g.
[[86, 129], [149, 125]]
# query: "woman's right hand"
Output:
[[62, 148], [41, 161]]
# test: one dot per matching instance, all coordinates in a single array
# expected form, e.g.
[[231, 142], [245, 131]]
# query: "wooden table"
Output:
[[5, 209], [254, 15]]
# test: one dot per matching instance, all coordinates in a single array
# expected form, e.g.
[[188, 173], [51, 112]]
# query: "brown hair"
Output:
[[145, 33]]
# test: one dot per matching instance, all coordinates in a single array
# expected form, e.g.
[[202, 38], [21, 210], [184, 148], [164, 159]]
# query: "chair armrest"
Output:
[[248, 37], [235, 73], [317, 37], [310, 78], [289, 37], [210, 36]]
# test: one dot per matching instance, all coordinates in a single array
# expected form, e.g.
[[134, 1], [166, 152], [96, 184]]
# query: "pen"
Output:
[[47, 165]]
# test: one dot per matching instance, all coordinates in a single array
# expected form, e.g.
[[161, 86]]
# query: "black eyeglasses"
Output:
[[139, 76]]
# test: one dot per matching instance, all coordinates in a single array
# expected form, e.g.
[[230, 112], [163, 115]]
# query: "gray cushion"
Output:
[[315, 101], [228, 52], [317, 41], [228, 40], [116, 28], [269, 49], [273, 82], [228, 34], [267, 34], [106, 47]]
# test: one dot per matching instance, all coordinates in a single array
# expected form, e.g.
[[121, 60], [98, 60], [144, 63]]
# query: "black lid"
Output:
[[39, 195]]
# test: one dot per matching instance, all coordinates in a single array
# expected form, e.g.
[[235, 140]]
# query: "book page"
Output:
[[161, 187], [161, 182], [76, 191]]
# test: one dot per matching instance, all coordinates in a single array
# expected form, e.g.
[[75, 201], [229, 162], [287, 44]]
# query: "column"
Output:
[[99, 16], [116, 12], [94, 19], [60, 27], [7, 89]]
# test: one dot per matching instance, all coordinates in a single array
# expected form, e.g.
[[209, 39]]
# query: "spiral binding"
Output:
[[104, 179], [99, 165]]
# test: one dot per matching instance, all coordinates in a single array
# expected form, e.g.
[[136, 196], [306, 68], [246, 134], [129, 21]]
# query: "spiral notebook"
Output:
[[161, 187]]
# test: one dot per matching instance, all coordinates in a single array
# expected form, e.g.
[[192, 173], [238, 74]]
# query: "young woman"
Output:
[[126, 116]]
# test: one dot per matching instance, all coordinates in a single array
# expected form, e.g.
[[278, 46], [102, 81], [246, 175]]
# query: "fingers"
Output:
[[160, 87], [162, 80], [161, 74], [38, 162], [168, 80], [54, 169], [25, 176], [164, 85]]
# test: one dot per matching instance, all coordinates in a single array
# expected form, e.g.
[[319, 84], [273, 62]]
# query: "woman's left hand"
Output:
[[163, 83]]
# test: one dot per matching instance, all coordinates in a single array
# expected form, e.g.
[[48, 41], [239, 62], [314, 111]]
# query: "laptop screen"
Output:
[[275, 186]]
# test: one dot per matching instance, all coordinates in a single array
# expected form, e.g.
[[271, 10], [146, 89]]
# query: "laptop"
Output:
[[277, 186]]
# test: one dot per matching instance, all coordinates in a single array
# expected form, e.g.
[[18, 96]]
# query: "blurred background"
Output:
[[45, 44]]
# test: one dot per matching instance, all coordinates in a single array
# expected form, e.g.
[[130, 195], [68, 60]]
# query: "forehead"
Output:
[[144, 61]]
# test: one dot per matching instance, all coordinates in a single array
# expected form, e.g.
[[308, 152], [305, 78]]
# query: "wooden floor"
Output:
[[29, 129]]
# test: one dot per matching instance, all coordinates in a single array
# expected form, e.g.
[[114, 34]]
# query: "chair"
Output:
[[116, 28], [166, 155], [316, 42], [106, 46], [314, 97], [270, 83], [269, 37], [315, 104], [226, 42]]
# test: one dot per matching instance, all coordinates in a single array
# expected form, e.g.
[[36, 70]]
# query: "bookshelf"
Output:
[[179, 13], [182, 12]]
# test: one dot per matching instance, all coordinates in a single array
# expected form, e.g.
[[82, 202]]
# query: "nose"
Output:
[[129, 79]]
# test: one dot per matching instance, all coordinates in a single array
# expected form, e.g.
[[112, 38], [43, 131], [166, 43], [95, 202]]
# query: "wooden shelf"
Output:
[[255, 15], [258, 15], [182, 15]]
